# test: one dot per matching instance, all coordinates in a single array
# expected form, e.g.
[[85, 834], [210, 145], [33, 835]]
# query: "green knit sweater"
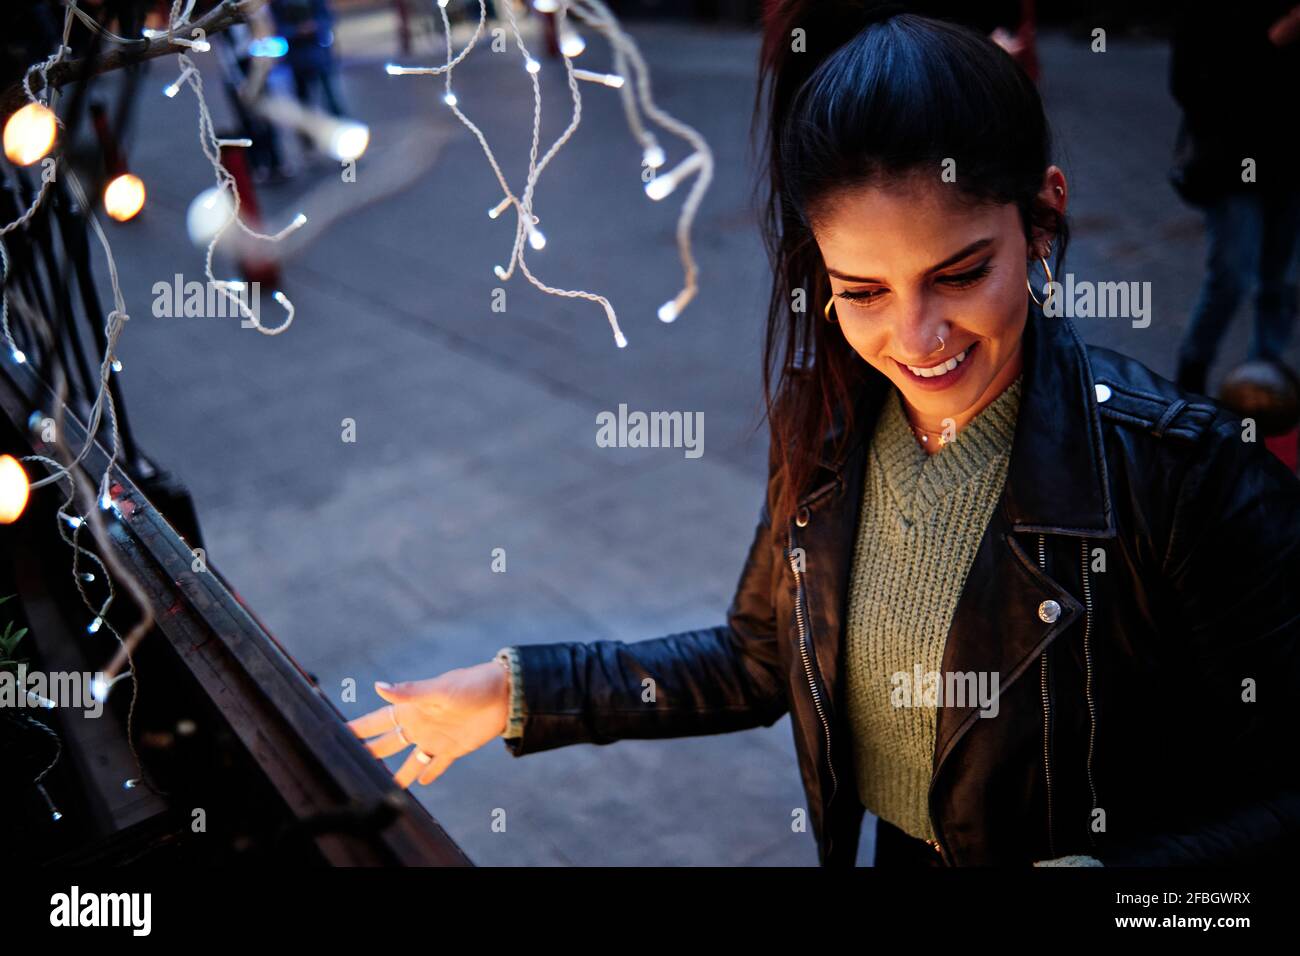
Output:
[[921, 521]]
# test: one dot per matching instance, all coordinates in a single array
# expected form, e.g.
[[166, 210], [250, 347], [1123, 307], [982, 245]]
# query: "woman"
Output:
[[1024, 599]]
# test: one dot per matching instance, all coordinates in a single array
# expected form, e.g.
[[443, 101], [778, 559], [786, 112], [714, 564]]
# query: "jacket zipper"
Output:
[[1047, 720], [1087, 681], [801, 623]]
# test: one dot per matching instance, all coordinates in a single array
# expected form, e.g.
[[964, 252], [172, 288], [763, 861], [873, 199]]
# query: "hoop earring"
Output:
[[830, 302], [1050, 281]]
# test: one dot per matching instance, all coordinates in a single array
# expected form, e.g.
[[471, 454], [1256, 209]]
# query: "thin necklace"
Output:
[[924, 435]]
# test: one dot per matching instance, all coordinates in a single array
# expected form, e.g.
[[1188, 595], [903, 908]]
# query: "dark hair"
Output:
[[875, 95]]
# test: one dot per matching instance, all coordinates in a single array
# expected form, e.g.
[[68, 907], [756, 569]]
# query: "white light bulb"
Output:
[[299, 220], [620, 339], [72, 520], [116, 365], [349, 142], [571, 42], [531, 65], [500, 273], [653, 156], [659, 187], [546, 6], [450, 99], [536, 239], [94, 625], [668, 311], [99, 689], [19, 356], [499, 208]]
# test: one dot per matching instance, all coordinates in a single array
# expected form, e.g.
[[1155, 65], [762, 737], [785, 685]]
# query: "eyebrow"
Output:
[[957, 256]]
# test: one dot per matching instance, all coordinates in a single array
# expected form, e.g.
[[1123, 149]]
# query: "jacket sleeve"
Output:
[[710, 681], [1233, 563]]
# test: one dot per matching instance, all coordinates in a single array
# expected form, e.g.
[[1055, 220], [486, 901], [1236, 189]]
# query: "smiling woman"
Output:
[[957, 487]]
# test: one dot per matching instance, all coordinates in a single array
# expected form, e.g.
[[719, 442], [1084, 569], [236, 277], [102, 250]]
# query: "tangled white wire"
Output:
[[626, 54]]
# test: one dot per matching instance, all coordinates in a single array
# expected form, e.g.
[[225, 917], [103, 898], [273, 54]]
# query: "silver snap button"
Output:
[[802, 518], [1049, 611], [1103, 392]]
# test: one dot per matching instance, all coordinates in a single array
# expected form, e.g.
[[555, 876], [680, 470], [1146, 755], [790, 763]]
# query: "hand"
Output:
[[444, 717]]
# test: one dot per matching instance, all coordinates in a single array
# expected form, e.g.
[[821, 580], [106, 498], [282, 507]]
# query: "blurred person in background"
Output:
[[1235, 71], [308, 25]]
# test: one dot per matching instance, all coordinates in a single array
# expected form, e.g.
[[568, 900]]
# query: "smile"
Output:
[[943, 368]]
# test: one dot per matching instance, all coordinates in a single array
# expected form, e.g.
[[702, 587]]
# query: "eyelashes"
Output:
[[961, 280]]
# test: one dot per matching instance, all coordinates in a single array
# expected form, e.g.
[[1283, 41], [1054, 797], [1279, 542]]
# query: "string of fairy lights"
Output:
[[637, 100], [30, 136]]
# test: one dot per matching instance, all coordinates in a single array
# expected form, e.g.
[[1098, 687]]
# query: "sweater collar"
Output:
[[1057, 479]]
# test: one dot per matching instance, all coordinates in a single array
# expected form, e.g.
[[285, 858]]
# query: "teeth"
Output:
[[942, 369]]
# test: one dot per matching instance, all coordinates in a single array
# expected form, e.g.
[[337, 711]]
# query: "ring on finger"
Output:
[[423, 757], [397, 727]]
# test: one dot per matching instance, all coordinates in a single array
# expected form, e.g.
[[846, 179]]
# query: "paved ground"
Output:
[[476, 429]]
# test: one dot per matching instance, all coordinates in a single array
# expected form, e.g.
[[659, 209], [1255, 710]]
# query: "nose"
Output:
[[919, 333]]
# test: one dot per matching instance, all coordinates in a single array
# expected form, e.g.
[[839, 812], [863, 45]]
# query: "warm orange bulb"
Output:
[[124, 197], [29, 134], [13, 489]]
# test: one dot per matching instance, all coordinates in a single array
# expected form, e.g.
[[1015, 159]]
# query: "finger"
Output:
[[433, 770], [410, 769], [402, 692], [374, 723], [387, 745]]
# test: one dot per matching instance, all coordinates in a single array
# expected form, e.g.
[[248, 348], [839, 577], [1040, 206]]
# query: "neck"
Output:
[[932, 425]]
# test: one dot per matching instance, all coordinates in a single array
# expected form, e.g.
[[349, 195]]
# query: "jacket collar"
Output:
[[1056, 479]]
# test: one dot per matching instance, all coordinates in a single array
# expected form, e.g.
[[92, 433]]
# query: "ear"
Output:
[[1051, 200]]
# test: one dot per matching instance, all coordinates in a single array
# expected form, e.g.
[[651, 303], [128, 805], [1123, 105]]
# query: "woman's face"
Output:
[[910, 262]]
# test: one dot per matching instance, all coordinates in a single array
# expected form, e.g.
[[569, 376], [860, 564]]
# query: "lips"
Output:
[[943, 374], [942, 368]]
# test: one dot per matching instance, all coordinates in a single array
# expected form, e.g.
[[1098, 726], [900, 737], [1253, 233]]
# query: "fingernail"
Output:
[[384, 684]]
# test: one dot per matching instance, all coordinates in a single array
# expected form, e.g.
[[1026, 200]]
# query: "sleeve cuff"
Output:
[[515, 721]]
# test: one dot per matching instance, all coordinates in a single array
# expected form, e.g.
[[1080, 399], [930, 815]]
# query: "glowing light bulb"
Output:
[[571, 42], [13, 489], [661, 186], [94, 626], [124, 197], [546, 6], [499, 208], [116, 365], [130, 784], [668, 311], [653, 156], [531, 65], [29, 134], [349, 142], [500, 273], [105, 500], [19, 356], [72, 520], [536, 239], [210, 210], [450, 99], [620, 339]]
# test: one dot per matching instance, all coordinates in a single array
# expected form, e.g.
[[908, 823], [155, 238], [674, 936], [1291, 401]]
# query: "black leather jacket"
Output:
[[1143, 717]]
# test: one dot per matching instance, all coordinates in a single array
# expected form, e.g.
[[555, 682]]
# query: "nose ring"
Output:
[[941, 343]]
